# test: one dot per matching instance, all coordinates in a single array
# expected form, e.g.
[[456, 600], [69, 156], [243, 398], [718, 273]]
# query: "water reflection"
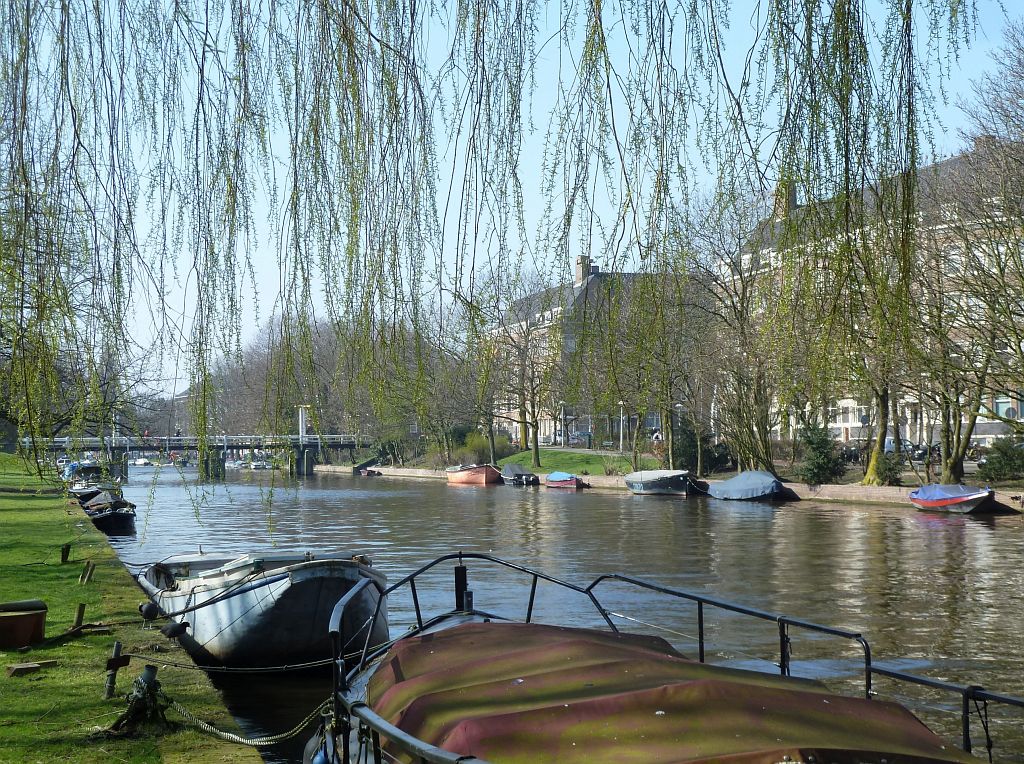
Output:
[[939, 592]]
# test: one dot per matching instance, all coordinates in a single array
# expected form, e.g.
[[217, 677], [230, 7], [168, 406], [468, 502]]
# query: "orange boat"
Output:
[[473, 474]]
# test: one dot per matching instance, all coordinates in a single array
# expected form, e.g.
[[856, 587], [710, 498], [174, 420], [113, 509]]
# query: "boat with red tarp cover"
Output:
[[564, 480], [470, 685]]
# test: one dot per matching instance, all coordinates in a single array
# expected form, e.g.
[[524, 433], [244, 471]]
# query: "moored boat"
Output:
[[87, 493], [472, 684], [473, 474], [669, 482], [517, 474], [88, 475], [265, 609], [110, 513], [114, 521], [962, 499], [751, 485], [564, 480]]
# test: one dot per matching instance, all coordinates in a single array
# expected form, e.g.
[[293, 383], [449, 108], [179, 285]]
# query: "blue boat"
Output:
[[564, 480], [751, 485]]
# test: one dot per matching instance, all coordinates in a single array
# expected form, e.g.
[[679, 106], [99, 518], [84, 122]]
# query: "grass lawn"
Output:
[[50, 715], [578, 462]]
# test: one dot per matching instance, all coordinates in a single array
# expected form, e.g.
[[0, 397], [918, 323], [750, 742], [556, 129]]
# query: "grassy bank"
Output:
[[579, 462], [53, 714]]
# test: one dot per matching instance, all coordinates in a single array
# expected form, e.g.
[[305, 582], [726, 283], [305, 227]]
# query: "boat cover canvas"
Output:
[[557, 477], [752, 484], [102, 499], [514, 470], [941, 491], [512, 692]]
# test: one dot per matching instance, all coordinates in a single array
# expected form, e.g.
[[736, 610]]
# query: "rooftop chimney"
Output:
[[583, 269], [785, 199], [985, 143]]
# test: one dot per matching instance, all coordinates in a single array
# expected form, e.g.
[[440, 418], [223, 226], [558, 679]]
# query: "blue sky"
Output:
[[973, 64]]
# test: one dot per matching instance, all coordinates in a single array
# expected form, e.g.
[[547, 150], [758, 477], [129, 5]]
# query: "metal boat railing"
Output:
[[346, 707]]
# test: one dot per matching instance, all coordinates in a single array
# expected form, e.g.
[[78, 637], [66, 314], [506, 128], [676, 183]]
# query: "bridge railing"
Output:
[[188, 442]]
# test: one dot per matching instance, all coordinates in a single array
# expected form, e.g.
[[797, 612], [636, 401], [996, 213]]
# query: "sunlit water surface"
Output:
[[938, 595]]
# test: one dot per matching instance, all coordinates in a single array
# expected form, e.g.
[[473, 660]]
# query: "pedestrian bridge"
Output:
[[191, 442], [305, 447]]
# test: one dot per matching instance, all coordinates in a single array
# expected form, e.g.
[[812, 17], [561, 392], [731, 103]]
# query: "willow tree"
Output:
[[382, 151]]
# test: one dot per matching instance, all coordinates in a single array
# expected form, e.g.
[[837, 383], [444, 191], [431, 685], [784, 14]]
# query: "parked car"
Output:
[[906, 446], [581, 439]]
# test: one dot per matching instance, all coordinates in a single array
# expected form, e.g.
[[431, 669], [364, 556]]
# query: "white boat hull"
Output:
[[658, 482], [243, 615]]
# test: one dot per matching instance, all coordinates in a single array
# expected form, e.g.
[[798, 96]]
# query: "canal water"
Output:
[[936, 595]]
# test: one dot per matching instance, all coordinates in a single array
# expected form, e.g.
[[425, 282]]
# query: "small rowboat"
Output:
[[473, 474], [266, 609], [116, 519], [564, 480], [962, 499]]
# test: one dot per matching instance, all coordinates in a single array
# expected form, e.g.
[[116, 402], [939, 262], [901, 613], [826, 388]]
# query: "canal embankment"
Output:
[[52, 694], [852, 493]]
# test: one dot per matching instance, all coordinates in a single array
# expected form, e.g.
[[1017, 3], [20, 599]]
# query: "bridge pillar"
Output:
[[305, 458], [211, 467]]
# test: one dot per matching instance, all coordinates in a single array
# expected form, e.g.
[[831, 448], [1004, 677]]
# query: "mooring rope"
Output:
[[250, 741], [236, 669]]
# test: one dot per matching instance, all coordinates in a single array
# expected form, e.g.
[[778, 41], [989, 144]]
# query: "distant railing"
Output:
[[189, 442]]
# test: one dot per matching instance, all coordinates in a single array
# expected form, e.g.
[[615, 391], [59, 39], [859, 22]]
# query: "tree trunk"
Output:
[[524, 427], [897, 441], [871, 473], [670, 440], [535, 445], [700, 452], [490, 441]]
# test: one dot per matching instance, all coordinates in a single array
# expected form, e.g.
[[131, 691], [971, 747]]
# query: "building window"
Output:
[[1002, 405]]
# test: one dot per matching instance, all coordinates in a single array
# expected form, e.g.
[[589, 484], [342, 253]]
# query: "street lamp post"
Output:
[[622, 414], [561, 406], [673, 431]]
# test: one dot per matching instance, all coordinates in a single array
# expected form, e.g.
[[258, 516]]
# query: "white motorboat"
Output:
[[265, 609], [668, 482]]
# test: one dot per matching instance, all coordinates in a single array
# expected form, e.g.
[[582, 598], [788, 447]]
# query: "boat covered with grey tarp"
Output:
[[751, 485], [265, 609]]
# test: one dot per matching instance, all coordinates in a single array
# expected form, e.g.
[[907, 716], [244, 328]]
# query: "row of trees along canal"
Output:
[[431, 191]]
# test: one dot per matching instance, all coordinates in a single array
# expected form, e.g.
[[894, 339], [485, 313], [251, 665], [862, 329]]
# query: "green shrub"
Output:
[[890, 469], [476, 450], [684, 447], [822, 461], [1004, 461]]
